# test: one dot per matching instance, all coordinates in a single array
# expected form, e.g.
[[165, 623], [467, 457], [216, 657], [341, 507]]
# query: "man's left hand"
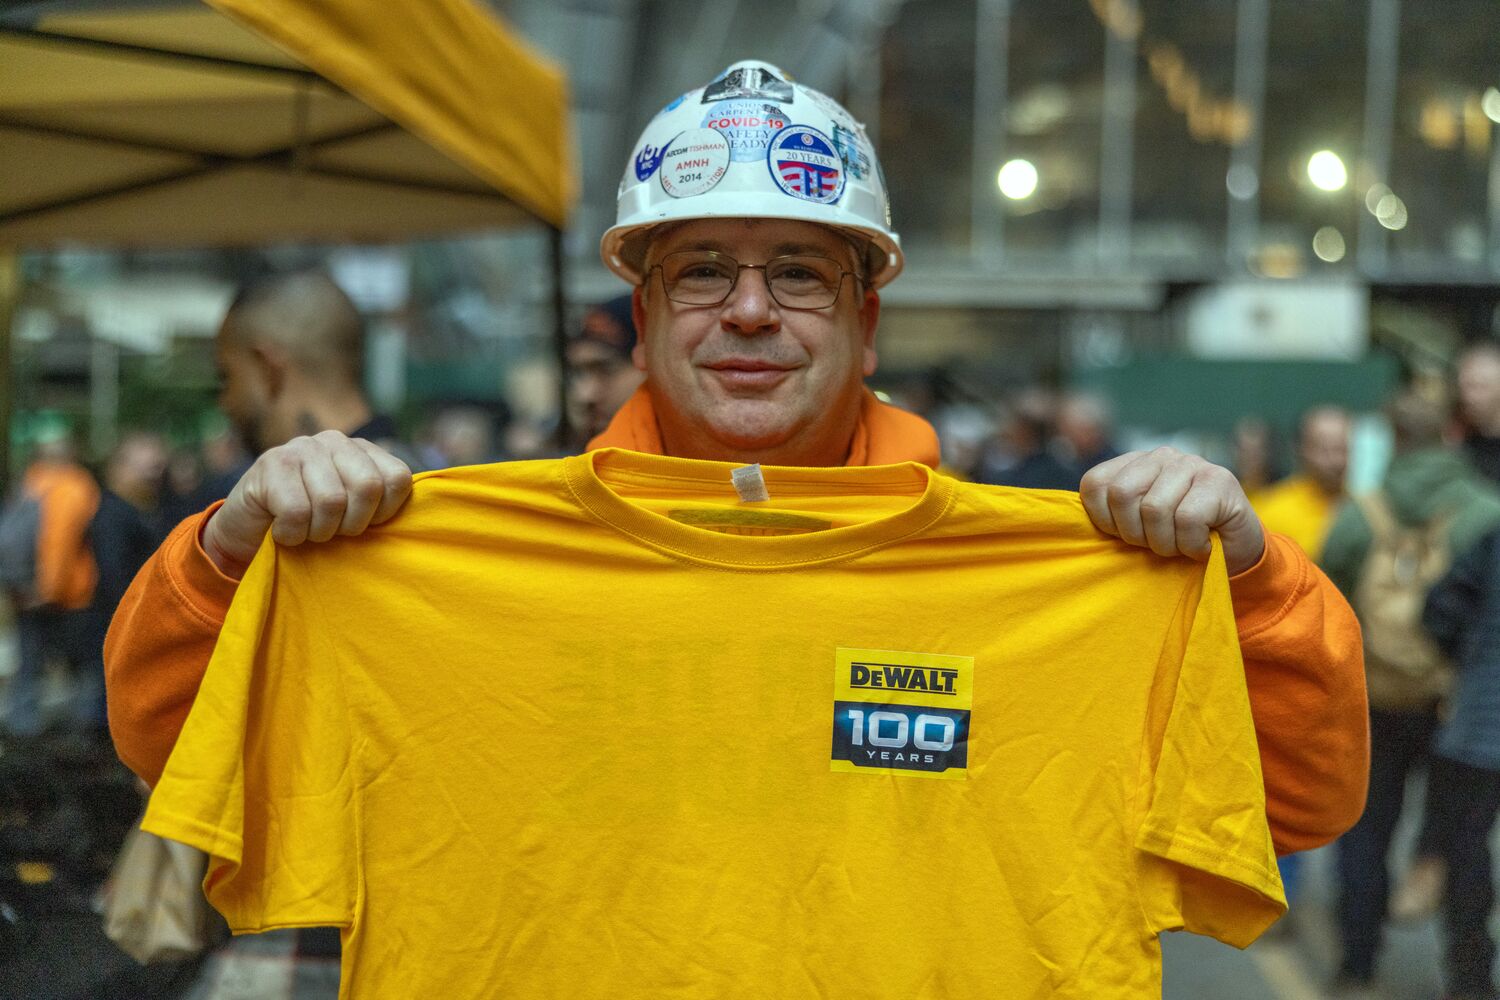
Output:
[[1168, 501]]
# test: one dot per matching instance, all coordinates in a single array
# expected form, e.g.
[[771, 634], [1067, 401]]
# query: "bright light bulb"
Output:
[[1327, 171], [1017, 179], [1490, 103]]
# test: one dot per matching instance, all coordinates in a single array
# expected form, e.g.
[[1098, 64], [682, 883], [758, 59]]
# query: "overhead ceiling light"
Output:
[[1326, 170], [1242, 181], [1328, 244], [1017, 179], [1490, 103], [1391, 212]]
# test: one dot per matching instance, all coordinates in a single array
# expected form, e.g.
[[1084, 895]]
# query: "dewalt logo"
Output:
[[894, 677], [902, 713]]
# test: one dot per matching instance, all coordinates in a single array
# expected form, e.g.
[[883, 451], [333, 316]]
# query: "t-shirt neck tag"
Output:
[[749, 484]]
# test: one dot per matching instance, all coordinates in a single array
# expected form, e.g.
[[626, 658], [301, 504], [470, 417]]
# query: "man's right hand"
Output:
[[307, 490]]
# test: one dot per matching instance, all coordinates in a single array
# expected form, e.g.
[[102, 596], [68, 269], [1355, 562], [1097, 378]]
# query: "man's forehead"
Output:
[[771, 236]]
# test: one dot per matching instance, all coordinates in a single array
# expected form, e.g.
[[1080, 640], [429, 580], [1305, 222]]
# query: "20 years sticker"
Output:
[[694, 162], [805, 164]]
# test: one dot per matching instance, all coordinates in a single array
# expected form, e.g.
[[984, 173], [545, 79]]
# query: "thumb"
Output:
[[235, 531], [1243, 538]]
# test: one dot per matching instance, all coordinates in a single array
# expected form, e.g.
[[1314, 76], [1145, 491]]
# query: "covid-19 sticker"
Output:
[[748, 125], [805, 164], [902, 713], [694, 162]]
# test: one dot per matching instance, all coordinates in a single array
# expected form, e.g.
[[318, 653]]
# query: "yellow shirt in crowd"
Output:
[[591, 728], [1300, 509]]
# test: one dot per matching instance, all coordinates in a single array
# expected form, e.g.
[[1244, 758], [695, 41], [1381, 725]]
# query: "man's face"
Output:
[[600, 380], [1325, 450], [1479, 391], [749, 376], [245, 392], [137, 470]]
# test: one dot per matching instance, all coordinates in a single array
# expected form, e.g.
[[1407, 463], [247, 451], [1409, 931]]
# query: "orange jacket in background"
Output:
[[1304, 661], [66, 572]]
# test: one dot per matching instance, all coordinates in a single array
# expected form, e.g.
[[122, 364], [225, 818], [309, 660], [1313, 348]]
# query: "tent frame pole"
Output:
[[560, 332]]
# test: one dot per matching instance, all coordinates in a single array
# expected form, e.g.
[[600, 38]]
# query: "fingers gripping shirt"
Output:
[[593, 728]]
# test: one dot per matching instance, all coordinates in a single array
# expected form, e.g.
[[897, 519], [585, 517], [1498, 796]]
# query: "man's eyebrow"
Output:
[[779, 250], [787, 249], [802, 249], [702, 244]]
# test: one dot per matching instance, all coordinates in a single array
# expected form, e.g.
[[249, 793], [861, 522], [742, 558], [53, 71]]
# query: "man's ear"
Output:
[[869, 319], [638, 316], [272, 365]]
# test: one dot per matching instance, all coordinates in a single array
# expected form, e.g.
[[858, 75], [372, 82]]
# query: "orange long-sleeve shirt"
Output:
[[66, 572], [1299, 639]]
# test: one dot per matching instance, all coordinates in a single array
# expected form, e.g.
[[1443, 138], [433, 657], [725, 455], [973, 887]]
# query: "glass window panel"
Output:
[[1315, 101], [1186, 121], [1056, 88], [926, 123], [1441, 155]]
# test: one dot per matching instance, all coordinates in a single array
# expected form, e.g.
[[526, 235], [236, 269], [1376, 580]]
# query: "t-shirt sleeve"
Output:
[[260, 778], [1204, 858]]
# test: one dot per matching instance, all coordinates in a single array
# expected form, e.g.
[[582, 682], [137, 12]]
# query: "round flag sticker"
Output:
[[694, 162], [805, 164]]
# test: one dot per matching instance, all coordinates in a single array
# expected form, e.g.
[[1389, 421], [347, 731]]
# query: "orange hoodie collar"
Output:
[[885, 435]]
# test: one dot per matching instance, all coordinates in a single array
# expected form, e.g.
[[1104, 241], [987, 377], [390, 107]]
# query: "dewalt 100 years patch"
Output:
[[902, 713]]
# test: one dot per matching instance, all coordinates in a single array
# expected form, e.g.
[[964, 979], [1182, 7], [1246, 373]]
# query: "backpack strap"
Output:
[[1378, 514]]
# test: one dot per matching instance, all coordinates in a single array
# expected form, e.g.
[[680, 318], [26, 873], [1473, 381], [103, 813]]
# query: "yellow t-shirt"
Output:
[[1298, 508], [591, 728]]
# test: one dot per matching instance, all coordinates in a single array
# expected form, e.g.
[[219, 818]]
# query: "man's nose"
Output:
[[750, 309], [586, 386]]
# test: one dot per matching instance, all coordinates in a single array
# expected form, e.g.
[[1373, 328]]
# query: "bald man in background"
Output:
[[290, 355]]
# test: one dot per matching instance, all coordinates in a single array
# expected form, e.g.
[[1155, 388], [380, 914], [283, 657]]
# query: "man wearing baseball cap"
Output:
[[601, 376], [754, 225]]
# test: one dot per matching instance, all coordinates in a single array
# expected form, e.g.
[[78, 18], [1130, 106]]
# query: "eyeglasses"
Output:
[[705, 278]]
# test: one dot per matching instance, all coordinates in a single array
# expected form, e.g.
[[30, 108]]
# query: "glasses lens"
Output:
[[804, 282], [698, 277]]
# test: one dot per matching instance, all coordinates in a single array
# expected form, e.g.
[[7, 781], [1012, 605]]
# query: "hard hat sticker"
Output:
[[694, 162], [748, 125], [648, 158], [756, 82], [805, 164], [851, 152], [833, 108]]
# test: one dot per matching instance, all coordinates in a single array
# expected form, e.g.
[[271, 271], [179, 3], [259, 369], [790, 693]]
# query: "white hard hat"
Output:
[[754, 145]]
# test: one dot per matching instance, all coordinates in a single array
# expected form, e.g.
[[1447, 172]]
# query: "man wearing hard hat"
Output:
[[754, 226]]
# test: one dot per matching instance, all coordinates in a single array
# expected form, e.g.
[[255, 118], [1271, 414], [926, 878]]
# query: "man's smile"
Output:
[[748, 373]]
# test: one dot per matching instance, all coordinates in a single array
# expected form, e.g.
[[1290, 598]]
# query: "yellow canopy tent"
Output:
[[243, 122]]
